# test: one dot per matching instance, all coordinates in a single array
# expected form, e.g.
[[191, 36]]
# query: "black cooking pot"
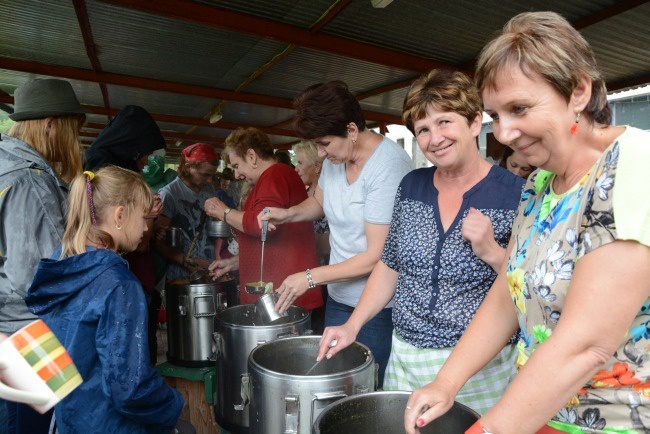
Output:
[[383, 412]]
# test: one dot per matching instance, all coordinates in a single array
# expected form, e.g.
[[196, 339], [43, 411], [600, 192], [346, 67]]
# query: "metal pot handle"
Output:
[[217, 346], [182, 305], [286, 335], [245, 392], [292, 414], [210, 299], [325, 396]]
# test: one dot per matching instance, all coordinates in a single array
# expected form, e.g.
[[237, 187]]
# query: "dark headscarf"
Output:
[[132, 134]]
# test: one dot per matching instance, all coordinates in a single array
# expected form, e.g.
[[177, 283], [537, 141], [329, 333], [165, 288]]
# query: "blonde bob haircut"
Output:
[[544, 43], [308, 148], [444, 90], [61, 150], [111, 186], [243, 139]]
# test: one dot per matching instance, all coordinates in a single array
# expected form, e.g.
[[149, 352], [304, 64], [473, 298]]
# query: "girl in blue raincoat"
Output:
[[97, 309]]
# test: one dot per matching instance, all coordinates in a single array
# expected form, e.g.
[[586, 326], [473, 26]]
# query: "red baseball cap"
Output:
[[200, 153]]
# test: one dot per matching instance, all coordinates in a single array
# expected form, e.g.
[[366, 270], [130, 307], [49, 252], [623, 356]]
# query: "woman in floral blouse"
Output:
[[450, 225], [577, 280]]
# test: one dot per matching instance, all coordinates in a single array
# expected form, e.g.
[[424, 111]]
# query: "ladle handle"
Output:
[[265, 225], [265, 229]]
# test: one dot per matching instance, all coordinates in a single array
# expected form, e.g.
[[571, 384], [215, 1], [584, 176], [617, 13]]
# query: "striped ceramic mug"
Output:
[[35, 368]]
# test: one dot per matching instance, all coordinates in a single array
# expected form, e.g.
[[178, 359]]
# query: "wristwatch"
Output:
[[225, 214]]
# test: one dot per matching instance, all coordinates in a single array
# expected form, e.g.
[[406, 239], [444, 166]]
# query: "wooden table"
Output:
[[197, 385]]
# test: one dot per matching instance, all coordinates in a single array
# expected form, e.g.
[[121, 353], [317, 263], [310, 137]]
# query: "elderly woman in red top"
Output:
[[289, 249]]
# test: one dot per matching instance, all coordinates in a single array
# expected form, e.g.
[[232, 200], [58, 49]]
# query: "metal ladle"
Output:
[[198, 275], [265, 228]]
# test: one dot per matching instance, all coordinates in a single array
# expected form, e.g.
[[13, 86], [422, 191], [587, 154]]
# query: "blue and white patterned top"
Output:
[[441, 281]]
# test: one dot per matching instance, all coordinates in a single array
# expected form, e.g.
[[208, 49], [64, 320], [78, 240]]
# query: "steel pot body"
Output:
[[218, 229], [239, 331], [286, 400], [383, 412], [191, 311]]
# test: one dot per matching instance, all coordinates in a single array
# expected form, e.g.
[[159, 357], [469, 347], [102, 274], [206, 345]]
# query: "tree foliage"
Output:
[[5, 122]]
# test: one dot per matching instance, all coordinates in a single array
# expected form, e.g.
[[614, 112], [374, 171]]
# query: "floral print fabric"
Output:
[[551, 233], [441, 281]]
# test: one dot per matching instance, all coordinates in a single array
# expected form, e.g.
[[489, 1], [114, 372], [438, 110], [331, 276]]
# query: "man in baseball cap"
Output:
[[183, 200]]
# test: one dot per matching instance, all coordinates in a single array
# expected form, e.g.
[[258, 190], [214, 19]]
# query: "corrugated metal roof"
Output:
[[182, 60]]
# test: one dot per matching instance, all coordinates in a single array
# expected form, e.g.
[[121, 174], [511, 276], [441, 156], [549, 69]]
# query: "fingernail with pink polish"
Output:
[[420, 422]]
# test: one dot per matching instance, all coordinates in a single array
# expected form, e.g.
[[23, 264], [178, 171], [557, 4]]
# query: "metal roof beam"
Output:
[[174, 120], [87, 34], [212, 16], [161, 85]]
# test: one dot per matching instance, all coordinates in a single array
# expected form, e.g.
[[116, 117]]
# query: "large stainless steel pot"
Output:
[[191, 310], [286, 400], [239, 331], [218, 229], [383, 412]]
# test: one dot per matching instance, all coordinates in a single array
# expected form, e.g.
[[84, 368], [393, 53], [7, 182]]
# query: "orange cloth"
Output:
[[477, 428]]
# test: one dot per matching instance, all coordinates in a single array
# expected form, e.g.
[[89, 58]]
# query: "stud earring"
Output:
[[118, 227], [574, 127]]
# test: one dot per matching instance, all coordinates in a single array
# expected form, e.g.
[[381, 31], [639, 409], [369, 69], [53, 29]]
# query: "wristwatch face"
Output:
[[227, 210]]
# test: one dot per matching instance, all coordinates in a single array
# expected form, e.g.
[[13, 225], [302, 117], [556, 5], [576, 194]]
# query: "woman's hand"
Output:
[[426, 404], [293, 287], [275, 216], [214, 208], [344, 335], [223, 266], [478, 230], [156, 208]]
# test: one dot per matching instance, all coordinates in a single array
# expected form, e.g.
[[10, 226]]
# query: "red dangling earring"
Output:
[[574, 127]]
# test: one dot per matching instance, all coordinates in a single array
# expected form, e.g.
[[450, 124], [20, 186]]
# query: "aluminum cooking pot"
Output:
[[191, 310], [284, 398], [218, 229], [383, 412], [239, 331]]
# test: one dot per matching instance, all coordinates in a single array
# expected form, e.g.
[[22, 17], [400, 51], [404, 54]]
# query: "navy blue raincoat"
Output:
[[97, 309]]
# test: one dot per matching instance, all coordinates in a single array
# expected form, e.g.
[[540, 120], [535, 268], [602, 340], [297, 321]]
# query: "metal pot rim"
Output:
[[254, 365]]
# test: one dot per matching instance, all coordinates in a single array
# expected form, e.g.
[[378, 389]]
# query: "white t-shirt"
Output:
[[349, 206]]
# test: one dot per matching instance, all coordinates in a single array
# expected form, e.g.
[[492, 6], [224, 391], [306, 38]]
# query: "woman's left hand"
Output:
[[478, 230], [156, 207], [293, 287]]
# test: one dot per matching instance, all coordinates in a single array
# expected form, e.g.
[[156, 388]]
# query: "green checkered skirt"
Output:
[[410, 368]]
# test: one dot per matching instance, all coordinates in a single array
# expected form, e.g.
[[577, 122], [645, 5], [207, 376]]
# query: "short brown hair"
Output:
[[243, 139], [446, 90], [326, 109], [545, 43]]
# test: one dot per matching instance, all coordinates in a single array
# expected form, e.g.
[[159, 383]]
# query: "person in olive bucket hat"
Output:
[[38, 157]]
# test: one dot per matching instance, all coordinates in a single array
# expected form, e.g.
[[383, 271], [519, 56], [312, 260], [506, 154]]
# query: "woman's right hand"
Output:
[[344, 335], [426, 404], [214, 208], [222, 266], [275, 216]]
